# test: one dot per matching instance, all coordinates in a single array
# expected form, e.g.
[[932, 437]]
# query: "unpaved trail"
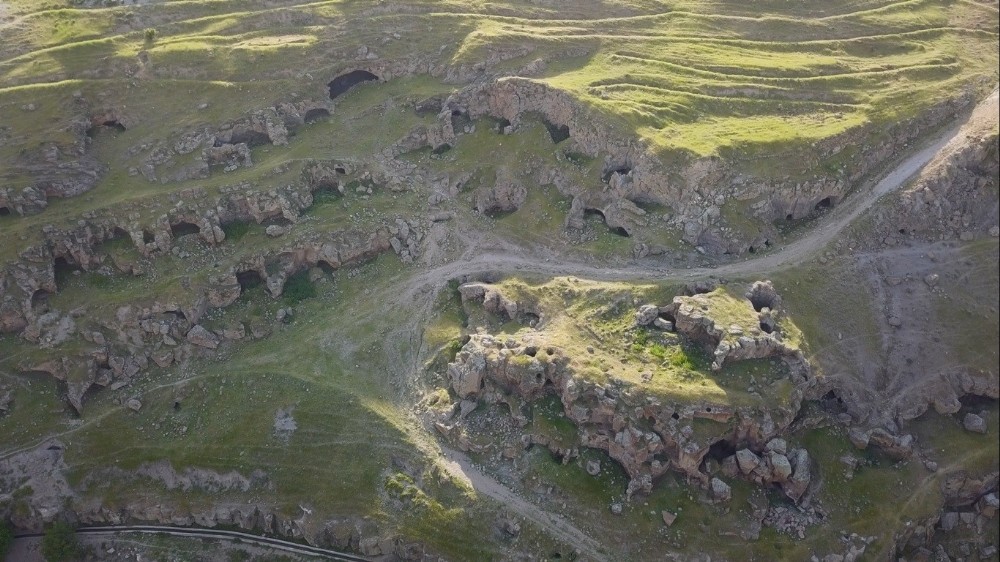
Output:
[[427, 283], [461, 468], [826, 230]]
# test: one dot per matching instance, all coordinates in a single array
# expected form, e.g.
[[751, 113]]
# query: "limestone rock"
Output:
[[202, 337], [974, 423], [747, 460]]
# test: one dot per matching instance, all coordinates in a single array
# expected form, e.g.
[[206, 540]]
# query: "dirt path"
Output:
[[425, 285], [461, 468], [798, 251]]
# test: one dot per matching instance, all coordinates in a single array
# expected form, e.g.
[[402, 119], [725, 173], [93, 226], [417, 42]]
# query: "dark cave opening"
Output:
[[4, 211], [147, 237], [63, 269], [441, 149], [248, 280], [326, 266], [314, 115], [766, 327], [460, 120], [617, 230], [184, 228], [93, 130], [341, 84], [623, 170], [720, 450], [824, 204], [39, 298], [557, 133]]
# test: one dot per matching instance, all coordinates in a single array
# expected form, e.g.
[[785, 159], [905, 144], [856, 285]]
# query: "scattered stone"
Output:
[[932, 279], [747, 460], [616, 508], [668, 518], [593, 468], [134, 404], [200, 336], [781, 468], [275, 231], [974, 423], [777, 445], [665, 325], [646, 314], [988, 505], [721, 492]]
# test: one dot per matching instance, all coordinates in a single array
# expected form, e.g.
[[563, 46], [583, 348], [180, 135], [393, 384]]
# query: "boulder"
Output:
[[646, 314], [134, 404], [202, 337], [781, 467], [721, 492], [747, 460], [974, 423]]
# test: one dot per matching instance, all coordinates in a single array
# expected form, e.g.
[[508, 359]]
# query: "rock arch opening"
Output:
[[248, 137], [720, 450], [39, 299], [341, 84], [825, 204], [622, 170], [616, 230], [460, 120], [557, 133], [248, 280], [184, 228], [98, 125], [441, 149], [326, 266], [4, 211], [314, 115], [63, 269]]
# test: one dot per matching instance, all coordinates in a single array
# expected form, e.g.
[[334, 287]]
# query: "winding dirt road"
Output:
[[427, 283]]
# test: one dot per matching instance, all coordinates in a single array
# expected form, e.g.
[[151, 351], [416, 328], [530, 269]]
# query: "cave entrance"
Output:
[[248, 280], [825, 203], [314, 115], [4, 211], [721, 449], [441, 149], [460, 120], [326, 266], [248, 137], [63, 269], [184, 228], [147, 237], [623, 170], [341, 84], [39, 299], [616, 230], [766, 327], [95, 127], [557, 133]]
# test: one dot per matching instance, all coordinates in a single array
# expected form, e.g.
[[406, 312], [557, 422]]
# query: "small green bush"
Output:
[[6, 539], [298, 287], [150, 34], [60, 543]]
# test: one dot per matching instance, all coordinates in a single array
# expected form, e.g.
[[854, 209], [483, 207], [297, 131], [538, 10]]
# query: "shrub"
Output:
[[60, 544], [150, 34], [298, 288], [6, 539]]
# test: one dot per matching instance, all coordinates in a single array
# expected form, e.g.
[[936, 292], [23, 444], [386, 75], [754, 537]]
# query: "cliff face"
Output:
[[645, 433], [700, 187]]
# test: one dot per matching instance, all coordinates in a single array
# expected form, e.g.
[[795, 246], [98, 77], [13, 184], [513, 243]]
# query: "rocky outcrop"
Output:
[[617, 419], [506, 195], [734, 329], [696, 193]]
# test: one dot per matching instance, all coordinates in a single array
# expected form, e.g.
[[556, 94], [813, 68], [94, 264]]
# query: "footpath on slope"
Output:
[[796, 252]]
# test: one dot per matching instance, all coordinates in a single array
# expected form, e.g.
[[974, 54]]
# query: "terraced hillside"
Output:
[[599, 280]]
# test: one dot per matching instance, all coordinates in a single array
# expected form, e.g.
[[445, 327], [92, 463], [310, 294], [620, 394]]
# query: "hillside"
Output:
[[523, 280]]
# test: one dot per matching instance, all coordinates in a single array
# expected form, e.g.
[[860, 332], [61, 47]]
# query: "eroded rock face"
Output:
[[612, 417], [710, 319], [506, 195]]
